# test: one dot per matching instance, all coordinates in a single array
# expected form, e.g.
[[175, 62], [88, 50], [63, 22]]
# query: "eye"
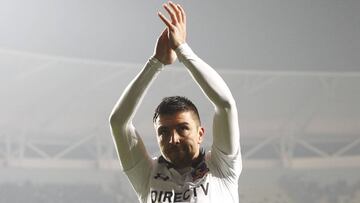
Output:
[[183, 130], [163, 131]]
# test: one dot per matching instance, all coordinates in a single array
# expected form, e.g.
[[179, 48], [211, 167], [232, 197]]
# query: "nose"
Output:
[[174, 137]]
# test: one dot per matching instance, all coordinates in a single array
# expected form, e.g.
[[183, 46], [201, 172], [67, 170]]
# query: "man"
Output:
[[183, 172]]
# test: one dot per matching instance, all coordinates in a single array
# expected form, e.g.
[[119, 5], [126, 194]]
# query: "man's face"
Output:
[[179, 136]]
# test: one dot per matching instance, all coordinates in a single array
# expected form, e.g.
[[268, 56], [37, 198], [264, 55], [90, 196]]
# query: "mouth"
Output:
[[176, 152], [174, 149], [171, 151]]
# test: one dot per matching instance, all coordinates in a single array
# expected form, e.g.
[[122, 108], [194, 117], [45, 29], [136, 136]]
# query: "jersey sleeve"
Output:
[[133, 156], [226, 134]]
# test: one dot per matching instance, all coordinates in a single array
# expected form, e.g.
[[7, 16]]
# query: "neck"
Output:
[[194, 162]]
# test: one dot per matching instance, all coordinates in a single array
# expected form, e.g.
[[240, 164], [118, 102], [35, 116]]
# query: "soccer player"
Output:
[[184, 172]]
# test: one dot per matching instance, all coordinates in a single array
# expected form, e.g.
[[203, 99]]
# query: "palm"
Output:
[[163, 51]]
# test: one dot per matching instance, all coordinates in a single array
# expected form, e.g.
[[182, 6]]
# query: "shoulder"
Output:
[[224, 166]]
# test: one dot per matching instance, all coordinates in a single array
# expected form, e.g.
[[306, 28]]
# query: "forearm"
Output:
[[126, 106], [207, 78], [226, 136]]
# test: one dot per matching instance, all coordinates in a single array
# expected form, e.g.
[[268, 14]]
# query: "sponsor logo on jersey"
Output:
[[186, 195], [200, 171], [161, 176]]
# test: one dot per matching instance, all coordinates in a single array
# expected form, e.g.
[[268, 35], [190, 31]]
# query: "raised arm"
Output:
[[128, 143], [226, 135], [225, 124]]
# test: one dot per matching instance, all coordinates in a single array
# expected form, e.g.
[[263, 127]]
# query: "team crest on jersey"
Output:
[[200, 171]]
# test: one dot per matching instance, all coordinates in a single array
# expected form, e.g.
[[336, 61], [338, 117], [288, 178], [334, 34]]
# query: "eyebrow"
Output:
[[183, 123], [179, 124]]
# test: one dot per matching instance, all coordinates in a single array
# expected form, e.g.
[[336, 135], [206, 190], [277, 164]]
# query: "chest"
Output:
[[171, 186]]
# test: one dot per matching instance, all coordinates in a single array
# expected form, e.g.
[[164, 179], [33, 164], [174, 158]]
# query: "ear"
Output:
[[201, 134]]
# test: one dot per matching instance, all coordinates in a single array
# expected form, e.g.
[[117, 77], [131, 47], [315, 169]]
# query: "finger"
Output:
[[164, 33], [180, 13], [166, 21], [171, 13], [176, 10], [183, 16]]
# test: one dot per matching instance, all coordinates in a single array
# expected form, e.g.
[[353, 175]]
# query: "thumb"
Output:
[[164, 33]]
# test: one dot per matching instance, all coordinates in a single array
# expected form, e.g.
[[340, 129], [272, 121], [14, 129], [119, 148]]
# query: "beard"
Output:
[[179, 155]]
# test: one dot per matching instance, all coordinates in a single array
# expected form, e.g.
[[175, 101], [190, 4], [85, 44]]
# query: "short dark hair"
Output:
[[175, 104]]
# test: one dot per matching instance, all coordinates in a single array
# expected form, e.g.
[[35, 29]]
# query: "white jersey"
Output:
[[215, 178], [212, 180]]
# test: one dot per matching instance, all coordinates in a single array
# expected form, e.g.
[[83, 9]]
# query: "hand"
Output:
[[163, 52], [177, 26]]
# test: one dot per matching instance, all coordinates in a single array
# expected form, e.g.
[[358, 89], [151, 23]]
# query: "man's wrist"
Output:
[[176, 46], [154, 61], [183, 51], [180, 47]]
